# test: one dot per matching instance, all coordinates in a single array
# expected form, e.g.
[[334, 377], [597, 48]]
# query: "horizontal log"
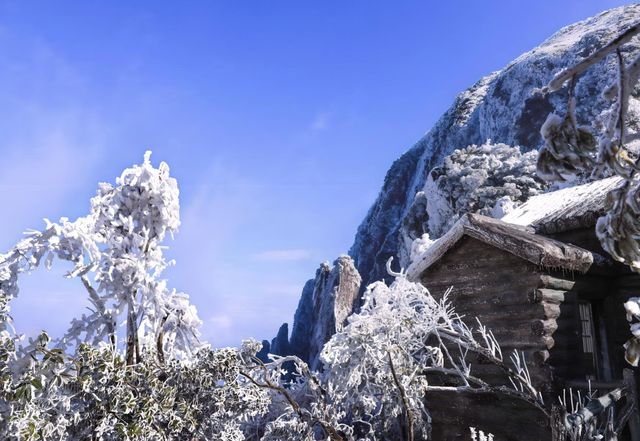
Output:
[[534, 342], [544, 327], [551, 310], [575, 282], [547, 295], [551, 282], [490, 314], [478, 285], [541, 357]]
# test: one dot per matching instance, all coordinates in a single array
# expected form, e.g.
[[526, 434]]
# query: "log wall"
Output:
[[534, 310], [500, 289]]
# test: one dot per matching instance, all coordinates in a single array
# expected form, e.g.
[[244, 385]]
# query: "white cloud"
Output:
[[282, 255]]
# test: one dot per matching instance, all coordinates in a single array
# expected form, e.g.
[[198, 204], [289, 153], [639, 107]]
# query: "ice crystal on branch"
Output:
[[118, 257]]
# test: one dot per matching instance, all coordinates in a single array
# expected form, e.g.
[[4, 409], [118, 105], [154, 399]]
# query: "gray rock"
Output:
[[325, 304], [280, 344], [302, 322], [334, 299], [263, 354]]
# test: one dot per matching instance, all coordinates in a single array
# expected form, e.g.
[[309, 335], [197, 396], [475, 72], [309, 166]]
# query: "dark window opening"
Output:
[[587, 332], [593, 342]]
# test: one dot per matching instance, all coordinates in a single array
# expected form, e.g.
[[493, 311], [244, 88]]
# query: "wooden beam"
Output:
[[629, 380], [552, 296]]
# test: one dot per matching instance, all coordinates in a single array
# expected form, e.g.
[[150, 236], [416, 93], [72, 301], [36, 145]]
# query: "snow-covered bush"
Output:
[[488, 179], [473, 179], [479, 435], [377, 371], [118, 257], [95, 395]]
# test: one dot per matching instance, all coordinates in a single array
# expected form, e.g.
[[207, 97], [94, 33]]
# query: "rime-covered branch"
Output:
[[117, 253], [562, 77]]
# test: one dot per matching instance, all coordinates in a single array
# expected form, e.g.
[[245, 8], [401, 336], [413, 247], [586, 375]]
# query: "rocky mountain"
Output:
[[506, 107], [326, 302]]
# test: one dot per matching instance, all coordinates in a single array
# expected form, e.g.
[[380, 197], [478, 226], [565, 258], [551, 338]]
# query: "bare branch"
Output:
[[403, 397]]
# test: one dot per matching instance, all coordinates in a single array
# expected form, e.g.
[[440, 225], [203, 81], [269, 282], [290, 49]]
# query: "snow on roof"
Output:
[[566, 209], [517, 240]]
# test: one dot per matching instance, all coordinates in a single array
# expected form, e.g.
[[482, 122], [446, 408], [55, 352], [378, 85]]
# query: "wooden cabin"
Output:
[[540, 281]]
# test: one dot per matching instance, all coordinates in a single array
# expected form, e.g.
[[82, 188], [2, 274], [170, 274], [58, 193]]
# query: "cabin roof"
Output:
[[518, 240], [566, 209]]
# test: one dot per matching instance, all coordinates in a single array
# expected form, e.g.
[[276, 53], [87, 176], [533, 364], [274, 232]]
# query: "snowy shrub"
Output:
[[488, 179], [479, 435], [473, 179], [420, 245], [95, 395], [377, 371]]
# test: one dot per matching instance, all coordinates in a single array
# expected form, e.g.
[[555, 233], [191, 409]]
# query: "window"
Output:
[[588, 337], [595, 358]]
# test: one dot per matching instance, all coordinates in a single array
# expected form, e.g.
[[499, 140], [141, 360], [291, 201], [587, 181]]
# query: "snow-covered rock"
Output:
[[323, 309]]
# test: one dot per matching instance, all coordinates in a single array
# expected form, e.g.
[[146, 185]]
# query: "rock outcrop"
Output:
[[280, 344], [326, 302]]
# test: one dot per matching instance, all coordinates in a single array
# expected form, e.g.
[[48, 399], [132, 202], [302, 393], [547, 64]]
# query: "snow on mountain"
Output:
[[505, 107]]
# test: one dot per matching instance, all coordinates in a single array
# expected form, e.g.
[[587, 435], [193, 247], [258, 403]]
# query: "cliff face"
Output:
[[334, 299], [505, 107], [326, 302]]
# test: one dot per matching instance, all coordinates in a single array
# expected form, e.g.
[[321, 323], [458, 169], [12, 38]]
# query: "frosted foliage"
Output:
[[95, 395], [568, 149], [616, 153], [390, 328], [632, 346], [474, 179], [479, 435], [420, 245], [388, 349], [502, 207], [117, 255]]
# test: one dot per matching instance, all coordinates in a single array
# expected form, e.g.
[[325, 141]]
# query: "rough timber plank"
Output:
[[519, 241]]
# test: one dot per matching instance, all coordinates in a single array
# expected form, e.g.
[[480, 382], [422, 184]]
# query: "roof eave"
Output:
[[514, 239]]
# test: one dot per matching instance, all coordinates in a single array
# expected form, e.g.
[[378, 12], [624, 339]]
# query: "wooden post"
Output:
[[629, 380]]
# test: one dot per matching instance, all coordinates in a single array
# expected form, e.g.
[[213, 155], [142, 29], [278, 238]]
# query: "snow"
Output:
[[568, 202]]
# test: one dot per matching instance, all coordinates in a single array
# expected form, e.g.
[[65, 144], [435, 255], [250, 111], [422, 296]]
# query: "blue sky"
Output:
[[279, 120]]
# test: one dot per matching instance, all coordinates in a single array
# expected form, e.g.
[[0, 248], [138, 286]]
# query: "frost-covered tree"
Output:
[[488, 179], [473, 179], [117, 255], [378, 370]]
